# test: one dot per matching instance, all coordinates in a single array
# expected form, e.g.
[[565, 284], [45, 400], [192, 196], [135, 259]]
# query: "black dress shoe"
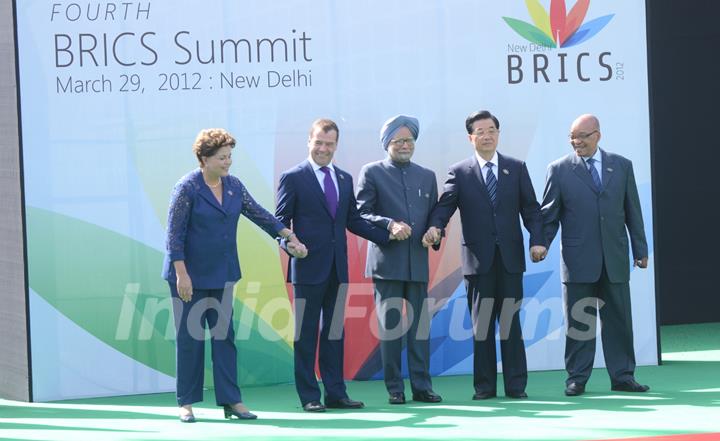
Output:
[[484, 395], [396, 398], [230, 412], [630, 386], [314, 406], [518, 395], [574, 389], [427, 396], [344, 403]]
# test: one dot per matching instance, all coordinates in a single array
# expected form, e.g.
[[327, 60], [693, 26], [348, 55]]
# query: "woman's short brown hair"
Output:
[[209, 141]]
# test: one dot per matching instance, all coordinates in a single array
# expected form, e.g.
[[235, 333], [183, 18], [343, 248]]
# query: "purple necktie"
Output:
[[330, 192]]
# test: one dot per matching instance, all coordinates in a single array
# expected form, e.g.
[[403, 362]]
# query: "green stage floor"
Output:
[[683, 404]]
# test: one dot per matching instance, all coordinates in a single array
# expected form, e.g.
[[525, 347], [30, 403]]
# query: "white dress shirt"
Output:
[[484, 170], [321, 176]]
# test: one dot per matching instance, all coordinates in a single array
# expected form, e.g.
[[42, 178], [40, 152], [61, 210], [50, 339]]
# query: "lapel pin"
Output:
[[341, 176], [230, 192], [506, 171], [609, 169]]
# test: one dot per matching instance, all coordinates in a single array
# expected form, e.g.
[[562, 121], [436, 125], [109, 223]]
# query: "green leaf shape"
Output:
[[110, 285], [529, 32]]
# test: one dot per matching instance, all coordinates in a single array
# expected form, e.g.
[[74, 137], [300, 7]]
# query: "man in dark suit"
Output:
[[592, 194], [492, 192], [317, 199], [397, 194]]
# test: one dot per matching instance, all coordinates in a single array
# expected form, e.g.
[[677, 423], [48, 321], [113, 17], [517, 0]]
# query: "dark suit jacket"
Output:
[[484, 226], [203, 233], [402, 192], [302, 206], [593, 223]]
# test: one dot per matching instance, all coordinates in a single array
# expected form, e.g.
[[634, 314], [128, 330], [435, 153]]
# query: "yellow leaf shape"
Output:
[[539, 16]]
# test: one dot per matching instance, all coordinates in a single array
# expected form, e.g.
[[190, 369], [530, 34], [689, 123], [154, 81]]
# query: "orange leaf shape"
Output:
[[574, 19]]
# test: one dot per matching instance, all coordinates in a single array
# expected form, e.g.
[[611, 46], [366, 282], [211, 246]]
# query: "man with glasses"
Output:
[[592, 194], [397, 194], [492, 191]]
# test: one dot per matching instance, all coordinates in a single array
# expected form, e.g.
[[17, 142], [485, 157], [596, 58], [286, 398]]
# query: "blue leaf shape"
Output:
[[588, 30], [533, 282]]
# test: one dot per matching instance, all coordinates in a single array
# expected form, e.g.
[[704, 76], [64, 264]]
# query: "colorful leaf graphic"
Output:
[[574, 19], [529, 32], [539, 16], [558, 29], [588, 30], [557, 19], [110, 285]]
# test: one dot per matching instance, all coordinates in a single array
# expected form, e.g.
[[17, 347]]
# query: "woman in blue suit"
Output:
[[201, 267]]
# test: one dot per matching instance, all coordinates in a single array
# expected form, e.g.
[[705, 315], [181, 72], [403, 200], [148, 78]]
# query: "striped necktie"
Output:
[[491, 183], [594, 173]]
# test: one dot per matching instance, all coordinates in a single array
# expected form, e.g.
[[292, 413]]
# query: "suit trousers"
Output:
[[208, 308], [325, 299], [582, 301], [496, 296], [390, 298]]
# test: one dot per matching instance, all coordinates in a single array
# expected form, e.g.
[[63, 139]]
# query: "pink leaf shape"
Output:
[[557, 19], [574, 19]]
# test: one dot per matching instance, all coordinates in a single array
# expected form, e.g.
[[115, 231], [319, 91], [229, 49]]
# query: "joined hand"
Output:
[[296, 248], [538, 253], [431, 237], [399, 230]]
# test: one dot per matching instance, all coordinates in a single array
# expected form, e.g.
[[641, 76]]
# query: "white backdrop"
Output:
[[113, 93]]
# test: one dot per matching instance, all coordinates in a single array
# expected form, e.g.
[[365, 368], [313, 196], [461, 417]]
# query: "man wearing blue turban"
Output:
[[398, 195]]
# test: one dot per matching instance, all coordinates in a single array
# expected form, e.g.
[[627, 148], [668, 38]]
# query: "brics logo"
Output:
[[557, 29]]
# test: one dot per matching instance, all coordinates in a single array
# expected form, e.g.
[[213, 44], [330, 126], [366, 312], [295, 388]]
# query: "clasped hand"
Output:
[[296, 248], [538, 253], [432, 237], [399, 230]]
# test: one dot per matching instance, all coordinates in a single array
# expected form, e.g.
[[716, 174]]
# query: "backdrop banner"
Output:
[[113, 94]]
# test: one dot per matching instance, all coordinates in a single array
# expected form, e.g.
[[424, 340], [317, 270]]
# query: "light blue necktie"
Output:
[[594, 173], [491, 183]]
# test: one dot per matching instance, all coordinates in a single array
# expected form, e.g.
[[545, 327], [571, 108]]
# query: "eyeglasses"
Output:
[[489, 132], [581, 136], [400, 141]]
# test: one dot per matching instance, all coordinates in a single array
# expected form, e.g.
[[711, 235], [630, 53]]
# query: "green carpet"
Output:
[[684, 399]]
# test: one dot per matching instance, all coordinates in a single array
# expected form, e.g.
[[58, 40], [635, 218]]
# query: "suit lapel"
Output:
[[608, 169], [206, 193], [344, 190], [477, 173], [231, 196], [581, 170], [313, 185], [502, 165]]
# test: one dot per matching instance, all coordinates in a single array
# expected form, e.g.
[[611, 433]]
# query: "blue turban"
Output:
[[394, 124]]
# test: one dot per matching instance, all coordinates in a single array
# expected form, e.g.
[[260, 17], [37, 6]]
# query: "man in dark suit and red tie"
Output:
[[492, 192], [592, 195], [317, 198]]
